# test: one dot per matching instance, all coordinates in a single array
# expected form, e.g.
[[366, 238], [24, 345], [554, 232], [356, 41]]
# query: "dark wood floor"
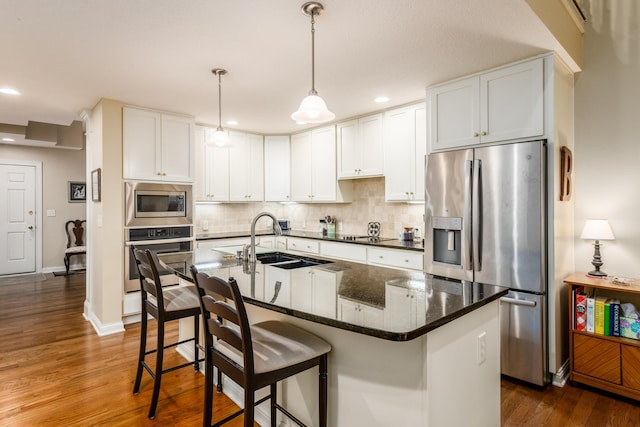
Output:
[[55, 371]]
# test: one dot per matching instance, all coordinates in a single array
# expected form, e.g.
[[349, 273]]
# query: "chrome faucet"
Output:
[[251, 256]]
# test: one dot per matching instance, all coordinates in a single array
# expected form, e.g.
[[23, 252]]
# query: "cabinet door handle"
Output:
[[164, 174], [475, 134], [483, 133]]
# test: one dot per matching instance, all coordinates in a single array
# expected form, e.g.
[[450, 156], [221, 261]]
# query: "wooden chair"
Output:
[[75, 245], [253, 356], [164, 305]]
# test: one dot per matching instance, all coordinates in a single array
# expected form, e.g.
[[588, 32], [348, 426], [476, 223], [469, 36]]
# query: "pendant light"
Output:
[[220, 138], [313, 108]]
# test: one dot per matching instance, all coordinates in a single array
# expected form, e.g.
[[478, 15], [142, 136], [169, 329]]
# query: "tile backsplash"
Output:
[[368, 205]]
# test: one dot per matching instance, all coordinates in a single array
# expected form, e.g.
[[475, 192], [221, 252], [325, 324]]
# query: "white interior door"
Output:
[[17, 219]]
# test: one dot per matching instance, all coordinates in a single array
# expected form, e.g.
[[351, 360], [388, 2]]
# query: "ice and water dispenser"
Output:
[[447, 240]]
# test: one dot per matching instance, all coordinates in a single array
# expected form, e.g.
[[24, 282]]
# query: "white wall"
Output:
[[607, 148], [58, 167]]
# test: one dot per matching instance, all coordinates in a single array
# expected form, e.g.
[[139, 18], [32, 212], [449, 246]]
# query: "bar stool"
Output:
[[175, 303], [253, 356]]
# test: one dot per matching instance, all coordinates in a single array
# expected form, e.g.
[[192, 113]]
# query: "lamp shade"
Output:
[[597, 229], [313, 110], [218, 137]]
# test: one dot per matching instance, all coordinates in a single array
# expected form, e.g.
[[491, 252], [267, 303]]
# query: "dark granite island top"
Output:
[[386, 303]]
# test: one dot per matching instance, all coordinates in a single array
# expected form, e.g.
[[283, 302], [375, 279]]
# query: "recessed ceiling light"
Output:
[[8, 140], [232, 122], [301, 123], [381, 99], [9, 91]]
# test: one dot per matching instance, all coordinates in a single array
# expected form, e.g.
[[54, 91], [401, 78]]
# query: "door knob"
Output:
[[30, 212], [30, 227]]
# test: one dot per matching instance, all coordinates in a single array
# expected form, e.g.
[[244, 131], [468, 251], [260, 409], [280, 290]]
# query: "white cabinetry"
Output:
[[303, 245], [403, 308], [360, 314], [398, 258], [246, 173], [314, 290], [346, 251], [405, 146], [157, 146], [500, 105], [313, 168], [277, 169], [212, 169], [360, 148]]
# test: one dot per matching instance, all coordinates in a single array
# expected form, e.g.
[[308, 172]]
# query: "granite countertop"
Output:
[[387, 242], [391, 304]]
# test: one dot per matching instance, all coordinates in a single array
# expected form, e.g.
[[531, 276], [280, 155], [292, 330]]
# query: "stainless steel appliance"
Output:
[[149, 204], [485, 216], [174, 246]]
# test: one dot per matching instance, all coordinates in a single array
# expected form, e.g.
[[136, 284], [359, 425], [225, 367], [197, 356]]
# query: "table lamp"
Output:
[[597, 229]]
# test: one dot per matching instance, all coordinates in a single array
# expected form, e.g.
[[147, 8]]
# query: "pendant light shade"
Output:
[[220, 137], [312, 109]]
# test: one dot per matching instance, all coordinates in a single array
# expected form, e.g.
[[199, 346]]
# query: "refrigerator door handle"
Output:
[[466, 226], [514, 301], [477, 214]]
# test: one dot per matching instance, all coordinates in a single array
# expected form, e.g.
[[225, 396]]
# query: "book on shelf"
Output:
[[607, 317], [614, 323], [581, 311], [599, 314], [575, 291], [591, 302]]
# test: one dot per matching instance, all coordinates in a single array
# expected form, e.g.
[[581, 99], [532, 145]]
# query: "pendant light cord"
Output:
[[313, 54], [219, 101]]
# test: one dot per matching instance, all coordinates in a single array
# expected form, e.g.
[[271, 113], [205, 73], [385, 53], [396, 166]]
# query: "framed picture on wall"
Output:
[[77, 192], [95, 185]]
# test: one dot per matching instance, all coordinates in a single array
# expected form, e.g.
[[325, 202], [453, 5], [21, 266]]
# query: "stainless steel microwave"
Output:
[[149, 204]]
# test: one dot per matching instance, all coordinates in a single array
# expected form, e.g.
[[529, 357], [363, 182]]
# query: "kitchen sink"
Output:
[[301, 263], [274, 257]]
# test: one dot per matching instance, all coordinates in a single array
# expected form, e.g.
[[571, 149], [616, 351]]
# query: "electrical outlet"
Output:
[[482, 348], [51, 212], [205, 225], [339, 225]]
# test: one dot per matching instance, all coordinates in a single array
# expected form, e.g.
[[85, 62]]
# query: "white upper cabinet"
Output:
[[157, 146], [405, 145], [277, 169], [360, 148], [313, 168], [246, 167], [212, 169], [501, 105]]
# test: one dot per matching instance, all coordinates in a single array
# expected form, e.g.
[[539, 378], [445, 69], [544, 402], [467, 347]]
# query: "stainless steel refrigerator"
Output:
[[485, 220]]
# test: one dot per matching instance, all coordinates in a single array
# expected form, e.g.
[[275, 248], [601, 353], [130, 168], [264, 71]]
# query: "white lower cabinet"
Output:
[[346, 251], [314, 290], [303, 245], [397, 258], [360, 314], [403, 307]]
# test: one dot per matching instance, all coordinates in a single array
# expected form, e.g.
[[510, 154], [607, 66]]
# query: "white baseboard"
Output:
[[63, 268], [101, 330], [560, 378]]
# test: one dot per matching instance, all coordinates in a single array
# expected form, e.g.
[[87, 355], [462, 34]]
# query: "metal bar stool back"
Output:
[[253, 356]]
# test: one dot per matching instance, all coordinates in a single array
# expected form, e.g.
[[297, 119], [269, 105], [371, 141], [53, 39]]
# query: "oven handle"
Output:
[[159, 241]]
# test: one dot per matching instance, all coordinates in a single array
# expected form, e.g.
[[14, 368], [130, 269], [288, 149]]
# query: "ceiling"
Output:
[[65, 55]]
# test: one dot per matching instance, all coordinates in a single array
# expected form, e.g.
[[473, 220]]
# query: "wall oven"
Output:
[[150, 204], [174, 246]]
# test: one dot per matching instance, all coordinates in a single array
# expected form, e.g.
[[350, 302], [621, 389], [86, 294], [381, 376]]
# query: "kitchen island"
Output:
[[408, 348]]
